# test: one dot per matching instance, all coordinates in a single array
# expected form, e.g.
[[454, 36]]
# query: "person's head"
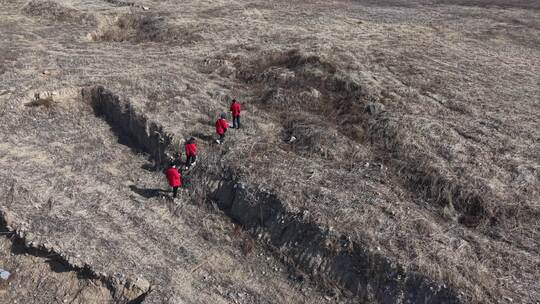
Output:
[[172, 164], [223, 115], [234, 100], [192, 139]]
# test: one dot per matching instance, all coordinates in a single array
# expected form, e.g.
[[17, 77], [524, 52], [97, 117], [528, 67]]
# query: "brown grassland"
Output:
[[413, 175]]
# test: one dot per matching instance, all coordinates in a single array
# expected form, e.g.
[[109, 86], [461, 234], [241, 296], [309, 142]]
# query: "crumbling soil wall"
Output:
[[359, 115], [321, 252], [131, 127], [324, 254], [121, 291], [36, 278]]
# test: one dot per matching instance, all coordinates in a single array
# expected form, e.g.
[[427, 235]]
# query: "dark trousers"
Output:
[[221, 137], [236, 122], [174, 191], [190, 160]]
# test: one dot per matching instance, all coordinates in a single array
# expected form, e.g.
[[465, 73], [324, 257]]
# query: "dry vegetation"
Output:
[[417, 135], [56, 12], [139, 28], [43, 275]]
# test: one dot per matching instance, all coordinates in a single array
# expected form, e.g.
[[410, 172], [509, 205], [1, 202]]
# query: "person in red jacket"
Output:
[[221, 128], [235, 111], [191, 152], [174, 178]]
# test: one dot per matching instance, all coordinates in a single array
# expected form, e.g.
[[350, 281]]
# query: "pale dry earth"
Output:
[[418, 126]]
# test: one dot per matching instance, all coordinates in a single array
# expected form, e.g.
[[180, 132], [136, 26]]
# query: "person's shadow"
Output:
[[149, 167], [148, 193]]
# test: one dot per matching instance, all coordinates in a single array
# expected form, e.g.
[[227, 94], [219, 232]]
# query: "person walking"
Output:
[[174, 178], [221, 127], [235, 111], [191, 152]]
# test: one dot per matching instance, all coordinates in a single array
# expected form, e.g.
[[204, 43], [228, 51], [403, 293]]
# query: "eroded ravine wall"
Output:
[[121, 290], [321, 252]]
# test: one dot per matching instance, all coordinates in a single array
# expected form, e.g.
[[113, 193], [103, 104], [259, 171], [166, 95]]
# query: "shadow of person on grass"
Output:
[[148, 193], [150, 167]]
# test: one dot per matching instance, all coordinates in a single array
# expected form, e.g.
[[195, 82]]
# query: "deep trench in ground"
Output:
[[328, 257], [359, 116]]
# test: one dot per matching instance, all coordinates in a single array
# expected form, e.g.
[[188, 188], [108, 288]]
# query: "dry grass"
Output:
[[139, 28], [57, 12], [40, 275], [313, 136], [46, 102], [435, 104], [348, 103], [458, 197]]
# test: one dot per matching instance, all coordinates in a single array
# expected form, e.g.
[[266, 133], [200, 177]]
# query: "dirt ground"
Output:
[[40, 280], [417, 135], [117, 220]]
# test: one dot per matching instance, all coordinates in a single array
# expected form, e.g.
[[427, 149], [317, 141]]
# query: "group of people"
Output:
[[222, 125]]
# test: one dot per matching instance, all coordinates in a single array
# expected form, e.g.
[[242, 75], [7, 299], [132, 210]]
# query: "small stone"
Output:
[[4, 274], [315, 93], [508, 299]]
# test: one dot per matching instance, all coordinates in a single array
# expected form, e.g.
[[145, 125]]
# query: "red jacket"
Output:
[[173, 177], [191, 148], [221, 126], [235, 109]]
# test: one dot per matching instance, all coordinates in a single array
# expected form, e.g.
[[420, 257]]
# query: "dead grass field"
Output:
[[417, 126]]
